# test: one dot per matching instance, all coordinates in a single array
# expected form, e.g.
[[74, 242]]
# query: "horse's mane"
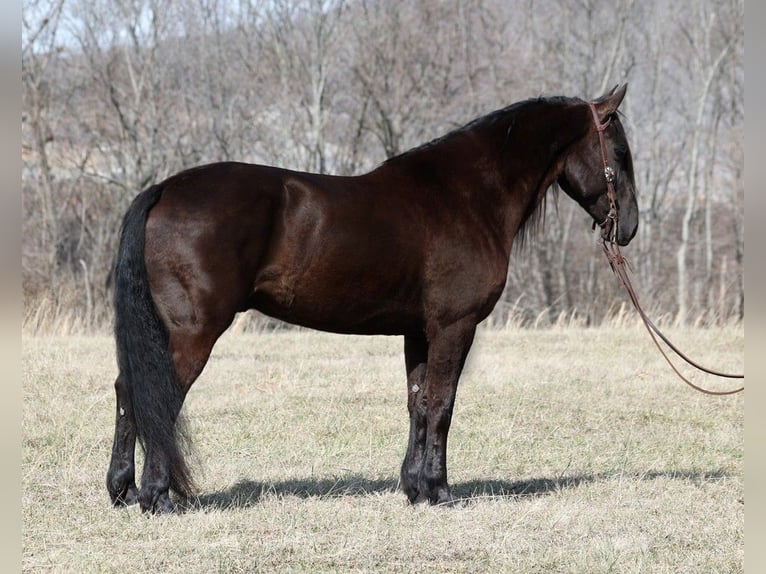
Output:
[[481, 121], [486, 120], [535, 218]]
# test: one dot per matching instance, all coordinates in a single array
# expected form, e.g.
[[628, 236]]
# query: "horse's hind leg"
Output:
[[201, 255], [190, 350], [121, 477]]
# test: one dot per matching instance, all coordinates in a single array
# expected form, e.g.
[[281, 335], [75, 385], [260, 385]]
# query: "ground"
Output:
[[572, 450]]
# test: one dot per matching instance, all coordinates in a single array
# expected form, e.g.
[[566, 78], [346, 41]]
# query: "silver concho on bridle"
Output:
[[609, 174]]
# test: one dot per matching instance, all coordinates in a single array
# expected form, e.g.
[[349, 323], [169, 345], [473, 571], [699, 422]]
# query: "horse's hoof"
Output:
[[419, 499], [124, 496], [440, 497], [128, 498], [447, 501], [160, 504]]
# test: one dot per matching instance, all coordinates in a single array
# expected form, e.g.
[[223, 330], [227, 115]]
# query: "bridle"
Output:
[[609, 225], [620, 266]]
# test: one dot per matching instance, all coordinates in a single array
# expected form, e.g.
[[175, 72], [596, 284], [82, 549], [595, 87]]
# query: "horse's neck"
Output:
[[498, 167], [532, 167], [524, 201]]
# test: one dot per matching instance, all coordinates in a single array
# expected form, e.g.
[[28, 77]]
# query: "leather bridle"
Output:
[[609, 225], [620, 266]]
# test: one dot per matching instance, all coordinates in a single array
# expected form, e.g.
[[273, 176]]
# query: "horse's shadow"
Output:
[[248, 493]]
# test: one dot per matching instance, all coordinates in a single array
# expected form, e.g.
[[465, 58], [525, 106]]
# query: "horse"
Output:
[[418, 247]]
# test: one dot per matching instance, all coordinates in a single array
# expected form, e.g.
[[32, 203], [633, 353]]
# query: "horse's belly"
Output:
[[362, 304]]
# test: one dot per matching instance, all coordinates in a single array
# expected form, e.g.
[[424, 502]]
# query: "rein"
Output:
[[620, 265]]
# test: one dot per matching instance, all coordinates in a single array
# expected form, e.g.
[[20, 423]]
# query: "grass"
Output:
[[574, 450]]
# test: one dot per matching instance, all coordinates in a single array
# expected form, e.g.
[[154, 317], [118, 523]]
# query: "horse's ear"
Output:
[[606, 105]]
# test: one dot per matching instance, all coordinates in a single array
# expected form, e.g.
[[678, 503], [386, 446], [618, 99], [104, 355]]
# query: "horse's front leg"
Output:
[[448, 349], [415, 358]]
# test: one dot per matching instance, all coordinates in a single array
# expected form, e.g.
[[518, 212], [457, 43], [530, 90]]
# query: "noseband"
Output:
[[609, 225]]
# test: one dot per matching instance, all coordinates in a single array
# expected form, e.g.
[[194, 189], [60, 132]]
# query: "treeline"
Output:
[[118, 94]]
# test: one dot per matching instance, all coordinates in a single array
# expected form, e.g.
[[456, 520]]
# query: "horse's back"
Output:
[[332, 253]]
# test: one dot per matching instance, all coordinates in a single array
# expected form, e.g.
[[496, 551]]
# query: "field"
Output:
[[572, 450]]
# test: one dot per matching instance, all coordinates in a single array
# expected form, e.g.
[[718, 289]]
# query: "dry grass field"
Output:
[[573, 450]]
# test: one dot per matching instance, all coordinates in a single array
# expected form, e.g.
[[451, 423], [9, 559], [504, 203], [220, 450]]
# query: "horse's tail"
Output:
[[143, 357]]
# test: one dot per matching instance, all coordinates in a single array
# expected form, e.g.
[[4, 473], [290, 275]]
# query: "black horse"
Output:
[[417, 247]]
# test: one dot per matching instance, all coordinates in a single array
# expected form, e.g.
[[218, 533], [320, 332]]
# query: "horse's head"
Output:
[[585, 179]]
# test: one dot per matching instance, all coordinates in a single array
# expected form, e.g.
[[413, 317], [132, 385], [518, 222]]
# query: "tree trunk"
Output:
[[691, 189]]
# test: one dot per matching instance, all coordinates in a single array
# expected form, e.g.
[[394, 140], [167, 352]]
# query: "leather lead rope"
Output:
[[620, 266]]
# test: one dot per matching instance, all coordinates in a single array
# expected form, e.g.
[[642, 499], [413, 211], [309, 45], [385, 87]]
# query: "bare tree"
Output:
[[404, 71], [40, 25], [121, 42], [300, 39], [708, 60], [120, 93]]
